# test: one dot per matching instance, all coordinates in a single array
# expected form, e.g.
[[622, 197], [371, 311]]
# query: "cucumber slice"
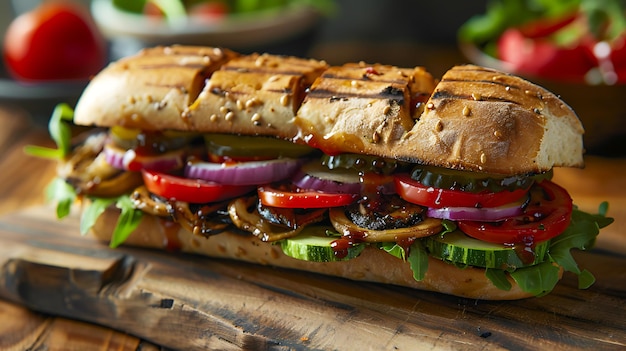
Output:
[[312, 244], [458, 248], [445, 178]]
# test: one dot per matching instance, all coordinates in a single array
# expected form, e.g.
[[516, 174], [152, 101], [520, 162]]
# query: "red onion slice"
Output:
[[315, 176], [243, 173], [311, 182], [129, 160], [485, 214]]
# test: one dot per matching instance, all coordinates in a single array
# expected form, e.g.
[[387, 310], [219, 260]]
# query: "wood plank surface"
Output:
[[60, 291], [186, 302], [22, 182]]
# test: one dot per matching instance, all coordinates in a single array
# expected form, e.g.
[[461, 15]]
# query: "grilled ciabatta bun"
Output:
[[474, 119]]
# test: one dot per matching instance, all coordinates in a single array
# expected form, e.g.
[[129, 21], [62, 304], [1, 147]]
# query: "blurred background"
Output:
[[572, 47]]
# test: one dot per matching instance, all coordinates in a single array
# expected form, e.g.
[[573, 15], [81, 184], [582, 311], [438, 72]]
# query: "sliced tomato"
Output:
[[190, 190], [548, 215], [298, 198], [417, 193]]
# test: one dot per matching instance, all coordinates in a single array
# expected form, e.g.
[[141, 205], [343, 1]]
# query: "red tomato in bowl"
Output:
[[209, 11], [55, 41], [540, 57]]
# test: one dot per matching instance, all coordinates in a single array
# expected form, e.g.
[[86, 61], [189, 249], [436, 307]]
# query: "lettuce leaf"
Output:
[[91, 213], [60, 130], [418, 256], [498, 278], [61, 193], [127, 222], [539, 279], [418, 260], [581, 234], [64, 195], [394, 249]]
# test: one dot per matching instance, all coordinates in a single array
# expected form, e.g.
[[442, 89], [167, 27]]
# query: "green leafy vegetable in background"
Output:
[[176, 8], [503, 14]]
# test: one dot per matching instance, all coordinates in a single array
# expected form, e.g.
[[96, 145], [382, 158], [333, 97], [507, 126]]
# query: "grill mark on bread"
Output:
[[472, 68], [362, 78], [223, 92], [334, 96], [263, 70], [154, 66], [483, 81], [200, 64], [447, 95]]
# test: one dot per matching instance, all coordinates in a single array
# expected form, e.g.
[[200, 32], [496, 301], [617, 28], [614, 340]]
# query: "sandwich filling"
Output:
[[326, 162], [325, 207]]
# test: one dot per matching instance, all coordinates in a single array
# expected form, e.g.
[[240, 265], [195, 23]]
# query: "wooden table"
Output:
[[464, 324], [22, 183]]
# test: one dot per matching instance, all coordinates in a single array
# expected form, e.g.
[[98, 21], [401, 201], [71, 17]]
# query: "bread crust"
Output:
[[255, 95], [475, 119], [372, 265], [150, 90], [479, 119]]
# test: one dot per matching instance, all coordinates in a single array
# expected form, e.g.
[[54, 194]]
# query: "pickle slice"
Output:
[[253, 146], [444, 178], [365, 163]]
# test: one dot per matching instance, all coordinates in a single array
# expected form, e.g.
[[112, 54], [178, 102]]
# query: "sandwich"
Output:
[[367, 172]]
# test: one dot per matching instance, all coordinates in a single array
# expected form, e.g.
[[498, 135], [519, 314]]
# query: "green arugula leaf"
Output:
[[585, 279], [498, 278], [539, 279], [581, 234], [91, 213], [394, 249], [418, 260], [61, 193], [448, 227], [61, 132], [128, 221]]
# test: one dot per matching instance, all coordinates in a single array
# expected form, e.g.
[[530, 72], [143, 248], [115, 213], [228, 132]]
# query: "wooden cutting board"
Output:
[[186, 302]]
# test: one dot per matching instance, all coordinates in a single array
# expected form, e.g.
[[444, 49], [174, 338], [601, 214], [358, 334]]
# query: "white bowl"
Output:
[[234, 31]]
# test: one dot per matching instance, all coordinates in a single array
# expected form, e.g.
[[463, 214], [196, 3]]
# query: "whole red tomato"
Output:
[[55, 41]]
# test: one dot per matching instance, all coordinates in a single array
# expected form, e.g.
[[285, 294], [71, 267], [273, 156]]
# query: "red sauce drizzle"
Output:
[[340, 247], [170, 229]]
